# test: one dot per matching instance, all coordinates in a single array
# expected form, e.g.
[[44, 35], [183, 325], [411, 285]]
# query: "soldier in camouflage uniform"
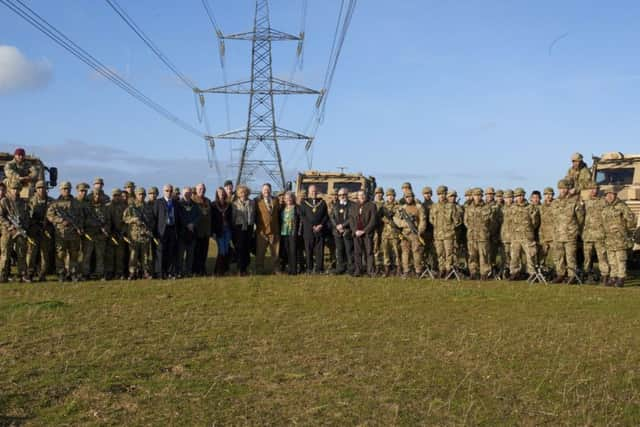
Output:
[[494, 229], [545, 232], [525, 219], [500, 198], [461, 256], [568, 216], [81, 195], [115, 254], [593, 234], [430, 256], [405, 188], [435, 213], [579, 174], [98, 189], [506, 230], [619, 223], [14, 221], [378, 200], [139, 217], [411, 245], [446, 217], [478, 220], [67, 216], [390, 238], [130, 189], [21, 170], [41, 231], [98, 227]]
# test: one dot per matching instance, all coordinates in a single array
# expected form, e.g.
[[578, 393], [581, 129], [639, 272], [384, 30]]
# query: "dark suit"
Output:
[[363, 217], [314, 212], [167, 232], [188, 214], [343, 241]]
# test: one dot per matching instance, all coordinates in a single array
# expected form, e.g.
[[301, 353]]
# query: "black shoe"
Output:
[[558, 279], [619, 282], [61, 278]]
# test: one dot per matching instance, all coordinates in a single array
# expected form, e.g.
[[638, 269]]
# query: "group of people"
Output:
[[137, 233]]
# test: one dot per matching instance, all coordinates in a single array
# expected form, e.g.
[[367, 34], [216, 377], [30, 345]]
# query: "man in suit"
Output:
[[342, 235], [315, 218], [363, 217], [267, 230], [165, 213]]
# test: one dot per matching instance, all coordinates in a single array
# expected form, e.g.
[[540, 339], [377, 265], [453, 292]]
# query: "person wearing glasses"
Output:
[[342, 235], [165, 213]]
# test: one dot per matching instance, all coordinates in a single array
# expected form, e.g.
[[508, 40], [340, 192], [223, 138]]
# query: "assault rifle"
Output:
[[19, 229], [144, 221], [100, 217], [66, 217], [412, 225], [394, 226]]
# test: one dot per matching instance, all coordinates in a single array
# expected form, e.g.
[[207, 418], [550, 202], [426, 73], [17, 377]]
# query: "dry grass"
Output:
[[318, 350]]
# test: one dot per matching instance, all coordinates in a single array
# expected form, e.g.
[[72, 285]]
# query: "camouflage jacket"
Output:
[[496, 220], [593, 229], [14, 210], [525, 219], [416, 213], [379, 226], [568, 217], [426, 205], [14, 171], [619, 224], [38, 210], [478, 219], [139, 218], [115, 211], [65, 213], [506, 223], [387, 212], [546, 223], [445, 217], [98, 219], [581, 177], [103, 198]]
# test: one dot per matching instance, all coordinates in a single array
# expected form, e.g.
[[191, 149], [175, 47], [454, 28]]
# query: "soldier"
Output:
[[81, 195], [41, 231], [619, 223], [405, 188], [478, 219], [139, 217], [593, 234], [115, 253], [468, 197], [22, 171], [67, 216], [579, 174], [152, 195], [130, 188], [390, 236], [568, 216], [438, 218], [525, 219], [430, 256], [545, 231], [14, 220], [411, 220], [342, 234], [98, 188], [460, 243], [506, 231], [378, 200], [494, 233], [500, 198], [98, 227]]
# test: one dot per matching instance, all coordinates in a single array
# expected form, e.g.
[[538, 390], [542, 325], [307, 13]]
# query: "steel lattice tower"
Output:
[[261, 129]]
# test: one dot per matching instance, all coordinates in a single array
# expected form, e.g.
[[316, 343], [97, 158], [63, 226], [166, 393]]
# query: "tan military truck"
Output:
[[327, 182], [45, 173]]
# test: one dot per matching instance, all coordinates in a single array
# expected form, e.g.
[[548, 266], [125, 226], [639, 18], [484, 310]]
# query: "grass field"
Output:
[[318, 350]]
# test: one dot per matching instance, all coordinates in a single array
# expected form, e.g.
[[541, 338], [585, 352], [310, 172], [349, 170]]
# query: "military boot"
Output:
[[387, 271], [558, 279], [604, 280], [619, 282], [611, 281]]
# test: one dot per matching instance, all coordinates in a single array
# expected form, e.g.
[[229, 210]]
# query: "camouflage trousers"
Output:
[[390, 251], [446, 254], [601, 252], [38, 258], [98, 247], [519, 248], [478, 258], [430, 255], [411, 246], [17, 243], [67, 252], [494, 249], [564, 255], [114, 258], [140, 258], [545, 249], [505, 255], [377, 249], [617, 261]]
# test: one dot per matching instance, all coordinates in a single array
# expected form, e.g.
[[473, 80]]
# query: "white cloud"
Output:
[[19, 73]]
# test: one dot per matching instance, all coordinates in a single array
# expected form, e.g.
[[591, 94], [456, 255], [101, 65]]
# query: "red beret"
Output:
[[19, 152]]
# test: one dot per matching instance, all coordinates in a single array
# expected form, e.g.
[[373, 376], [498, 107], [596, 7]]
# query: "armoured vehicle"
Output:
[[45, 173], [327, 182]]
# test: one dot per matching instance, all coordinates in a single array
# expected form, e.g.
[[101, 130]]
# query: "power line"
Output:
[[30, 16]]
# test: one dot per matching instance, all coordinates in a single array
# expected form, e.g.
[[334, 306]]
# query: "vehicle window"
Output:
[[622, 176], [320, 186], [352, 187]]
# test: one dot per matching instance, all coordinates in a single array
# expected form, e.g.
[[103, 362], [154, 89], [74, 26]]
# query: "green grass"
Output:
[[318, 350]]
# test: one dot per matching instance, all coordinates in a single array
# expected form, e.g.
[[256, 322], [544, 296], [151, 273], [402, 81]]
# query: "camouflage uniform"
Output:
[[411, 242], [115, 254], [139, 217], [525, 218], [494, 231], [568, 216], [13, 171], [445, 218], [619, 223], [16, 210], [42, 232], [98, 227], [545, 233], [506, 230], [64, 213], [593, 236], [390, 239], [430, 256], [478, 219], [377, 233], [581, 177]]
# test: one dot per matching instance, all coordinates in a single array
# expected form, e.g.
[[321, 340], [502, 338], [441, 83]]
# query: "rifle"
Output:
[[69, 219], [412, 225], [19, 229], [104, 231], [143, 219], [394, 226]]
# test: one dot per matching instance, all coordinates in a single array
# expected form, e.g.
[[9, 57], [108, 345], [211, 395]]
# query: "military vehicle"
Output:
[[327, 182], [45, 173]]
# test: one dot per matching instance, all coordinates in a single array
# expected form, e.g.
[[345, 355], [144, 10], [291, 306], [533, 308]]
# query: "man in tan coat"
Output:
[[267, 230]]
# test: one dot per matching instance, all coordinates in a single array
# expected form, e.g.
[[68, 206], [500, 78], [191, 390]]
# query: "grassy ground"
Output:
[[318, 350]]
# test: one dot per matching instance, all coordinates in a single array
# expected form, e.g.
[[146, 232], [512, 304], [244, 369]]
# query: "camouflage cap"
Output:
[[41, 184], [442, 189], [589, 186], [153, 190], [379, 190], [564, 184], [548, 190], [468, 192], [490, 190], [576, 157], [82, 186], [15, 185], [98, 180], [609, 189], [477, 192], [452, 193], [409, 194], [508, 193], [427, 190], [116, 192], [499, 193], [129, 184], [519, 192], [406, 185], [391, 192], [140, 190], [65, 185]]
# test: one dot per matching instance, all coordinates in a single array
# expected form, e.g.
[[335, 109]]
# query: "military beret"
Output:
[[153, 190], [406, 185], [564, 184], [508, 193], [452, 193], [576, 157], [379, 190], [19, 152], [98, 180], [442, 189], [499, 193], [391, 192], [15, 185], [490, 190], [548, 190], [41, 184], [228, 182], [65, 185], [477, 192], [129, 184], [427, 190], [116, 192], [519, 192], [82, 186], [409, 194], [140, 190]]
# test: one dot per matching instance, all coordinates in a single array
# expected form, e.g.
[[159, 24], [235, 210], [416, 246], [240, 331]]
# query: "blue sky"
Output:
[[464, 93]]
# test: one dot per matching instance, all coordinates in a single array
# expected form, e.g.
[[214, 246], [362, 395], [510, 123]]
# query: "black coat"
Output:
[[340, 215], [368, 217], [219, 218], [311, 216], [160, 210]]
